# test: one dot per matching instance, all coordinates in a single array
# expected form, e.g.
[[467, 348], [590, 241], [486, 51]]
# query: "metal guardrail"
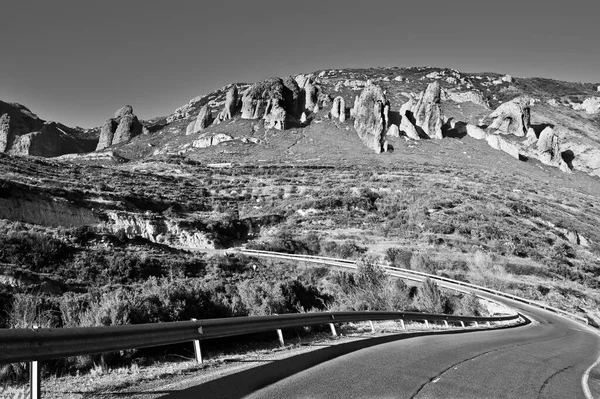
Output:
[[21, 345], [352, 265]]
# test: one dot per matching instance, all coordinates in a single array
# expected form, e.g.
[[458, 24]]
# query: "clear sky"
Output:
[[77, 61]]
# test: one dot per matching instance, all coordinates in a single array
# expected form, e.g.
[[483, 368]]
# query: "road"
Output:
[[545, 359]]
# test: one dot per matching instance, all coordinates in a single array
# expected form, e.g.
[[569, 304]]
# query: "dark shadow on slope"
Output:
[[459, 131], [568, 157], [245, 382]]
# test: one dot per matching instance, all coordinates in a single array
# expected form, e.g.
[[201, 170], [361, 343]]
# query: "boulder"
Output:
[[500, 143], [428, 112], [303, 118], [549, 151], [122, 128], [220, 138], [512, 117], [475, 131], [475, 96], [591, 105], [393, 131], [338, 109], [408, 128], [369, 119]]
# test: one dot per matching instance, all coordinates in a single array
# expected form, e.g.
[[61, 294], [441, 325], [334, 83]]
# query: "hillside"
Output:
[[481, 177]]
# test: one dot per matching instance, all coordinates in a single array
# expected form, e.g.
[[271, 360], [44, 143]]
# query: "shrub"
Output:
[[398, 257], [422, 262], [429, 297]]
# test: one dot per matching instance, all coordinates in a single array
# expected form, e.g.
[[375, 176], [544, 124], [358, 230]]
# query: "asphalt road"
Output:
[[545, 359]]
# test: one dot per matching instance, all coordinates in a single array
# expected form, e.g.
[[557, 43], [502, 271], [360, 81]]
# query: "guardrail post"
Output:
[[280, 335], [476, 325], [489, 324], [462, 323], [372, 326], [402, 323], [426, 324], [197, 348], [333, 332], [446, 323], [34, 378]]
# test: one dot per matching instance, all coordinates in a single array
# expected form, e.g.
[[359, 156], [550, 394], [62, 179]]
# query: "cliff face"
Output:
[[23, 133], [26, 205], [158, 229]]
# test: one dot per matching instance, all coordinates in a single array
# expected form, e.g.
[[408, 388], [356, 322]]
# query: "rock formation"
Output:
[[230, 108], [512, 117], [408, 106], [5, 133], [202, 121], [591, 105], [369, 119], [311, 96], [272, 99], [500, 143], [303, 118], [338, 110], [428, 112], [408, 128], [123, 127], [275, 116]]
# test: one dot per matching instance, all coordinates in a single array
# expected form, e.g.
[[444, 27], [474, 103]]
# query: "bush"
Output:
[[34, 251], [398, 257], [429, 298], [423, 263]]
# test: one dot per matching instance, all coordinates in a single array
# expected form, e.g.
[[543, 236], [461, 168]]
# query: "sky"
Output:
[[78, 61]]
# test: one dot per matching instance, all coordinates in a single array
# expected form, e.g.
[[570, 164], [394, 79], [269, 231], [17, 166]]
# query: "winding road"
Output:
[[548, 358]]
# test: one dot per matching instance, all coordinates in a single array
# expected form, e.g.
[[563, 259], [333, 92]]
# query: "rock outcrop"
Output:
[[122, 128], [512, 117], [5, 133], [230, 107], [272, 100], [338, 109], [275, 115], [591, 105], [202, 121], [369, 119], [311, 96], [549, 151], [428, 111]]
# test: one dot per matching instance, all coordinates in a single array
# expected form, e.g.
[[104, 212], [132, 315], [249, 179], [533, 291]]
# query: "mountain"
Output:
[[570, 110], [24, 133]]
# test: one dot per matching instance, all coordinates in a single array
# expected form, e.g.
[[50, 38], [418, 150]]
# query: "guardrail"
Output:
[[20, 345], [352, 265], [34, 345]]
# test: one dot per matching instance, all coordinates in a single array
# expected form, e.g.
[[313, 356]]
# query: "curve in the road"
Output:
[[549, 358]]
